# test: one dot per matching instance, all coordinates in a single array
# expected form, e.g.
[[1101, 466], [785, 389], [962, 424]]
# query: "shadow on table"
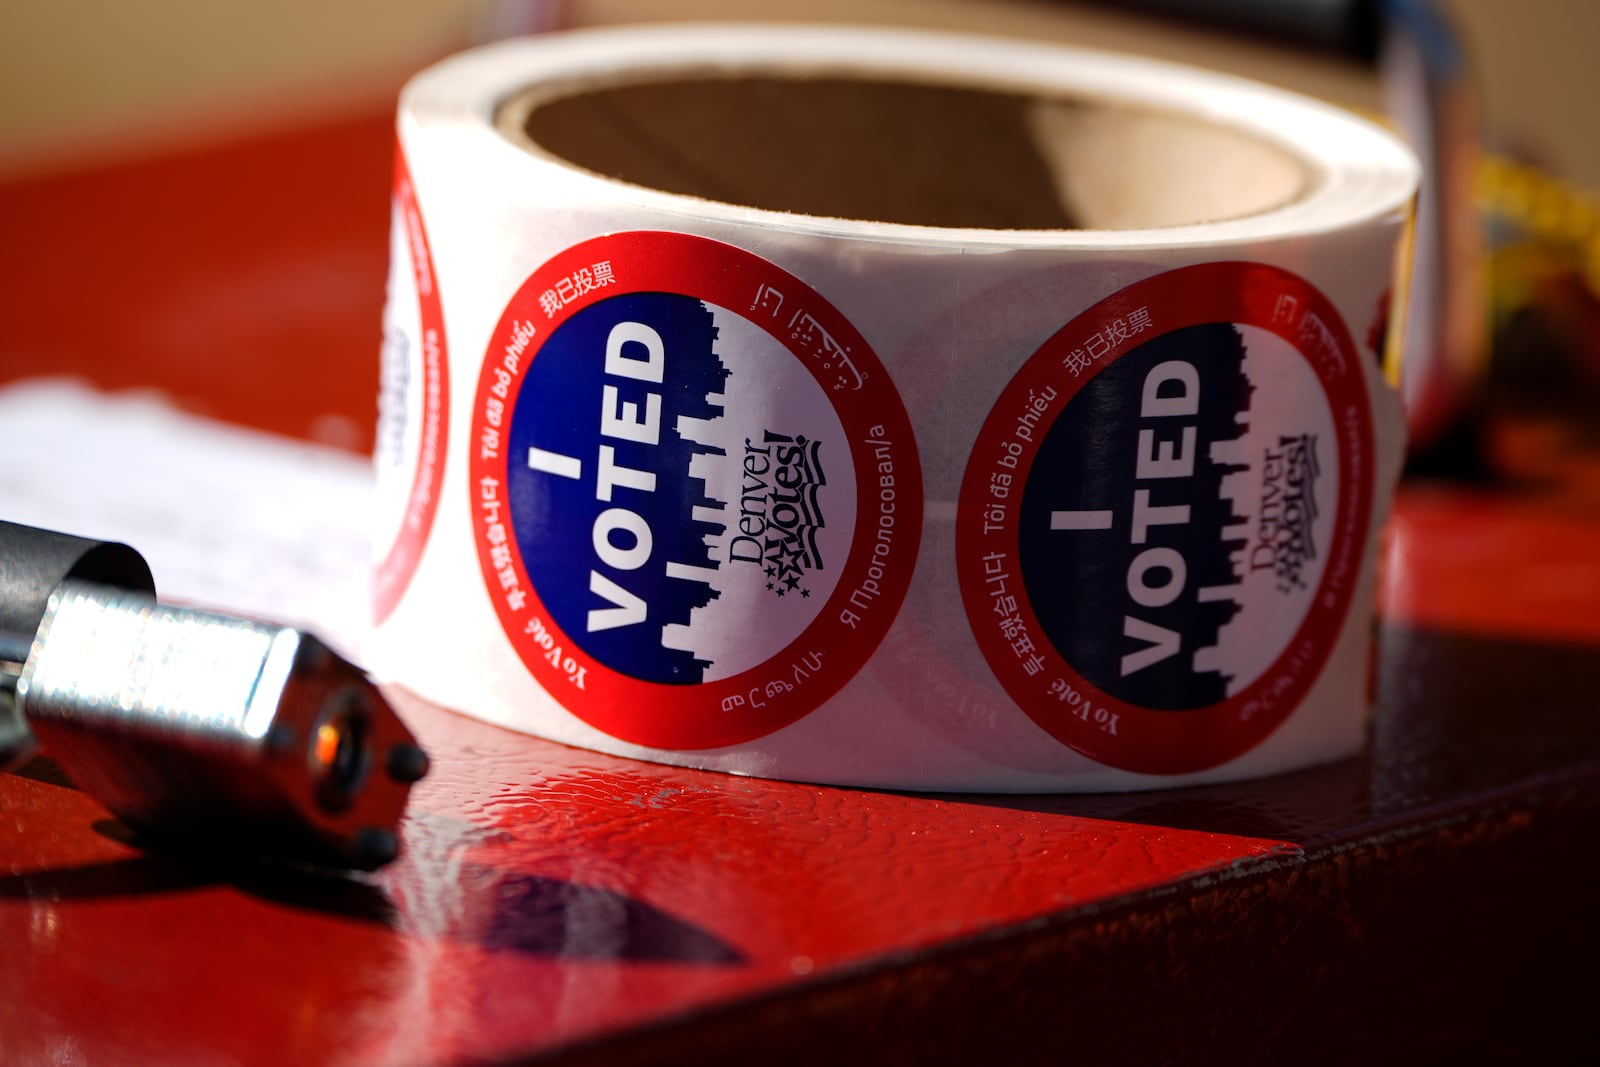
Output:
[[500, 910]]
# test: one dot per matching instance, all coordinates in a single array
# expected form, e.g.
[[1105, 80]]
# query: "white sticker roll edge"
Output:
[[909, 410]]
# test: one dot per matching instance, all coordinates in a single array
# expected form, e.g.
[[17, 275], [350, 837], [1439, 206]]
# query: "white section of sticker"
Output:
[[1285, 452], [767, 390]]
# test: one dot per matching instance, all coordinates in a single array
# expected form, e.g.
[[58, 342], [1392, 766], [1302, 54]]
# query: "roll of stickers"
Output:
[[887, 408]]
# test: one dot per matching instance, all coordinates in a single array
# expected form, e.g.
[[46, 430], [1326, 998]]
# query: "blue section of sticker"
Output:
[[601, 492], [1127, 539]]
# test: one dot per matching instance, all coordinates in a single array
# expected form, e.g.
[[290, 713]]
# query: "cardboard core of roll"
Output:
[[891, 151]]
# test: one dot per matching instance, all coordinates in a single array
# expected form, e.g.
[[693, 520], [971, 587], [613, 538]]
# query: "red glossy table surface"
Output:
[[563, 905]]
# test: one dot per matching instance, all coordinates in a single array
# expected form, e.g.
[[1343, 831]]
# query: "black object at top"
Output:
[[34, 562], [1350, 28]]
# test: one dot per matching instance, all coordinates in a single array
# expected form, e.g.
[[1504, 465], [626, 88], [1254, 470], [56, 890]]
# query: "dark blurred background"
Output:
[[105, 75]]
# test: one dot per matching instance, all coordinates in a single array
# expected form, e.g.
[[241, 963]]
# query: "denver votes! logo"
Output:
[[1163, 517], [695, 490]]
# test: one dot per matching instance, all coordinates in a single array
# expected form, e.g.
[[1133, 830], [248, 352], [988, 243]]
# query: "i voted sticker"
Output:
[[1163, 519], [695, 491], [413, 402]]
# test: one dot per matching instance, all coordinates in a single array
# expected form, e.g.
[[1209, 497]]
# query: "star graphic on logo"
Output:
[[780, 590], [793, 581], [805, 592], [772, 572]]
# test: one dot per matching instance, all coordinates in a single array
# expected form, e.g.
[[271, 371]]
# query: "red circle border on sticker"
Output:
[[1141, 739], [393, 573], [848, 628]]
